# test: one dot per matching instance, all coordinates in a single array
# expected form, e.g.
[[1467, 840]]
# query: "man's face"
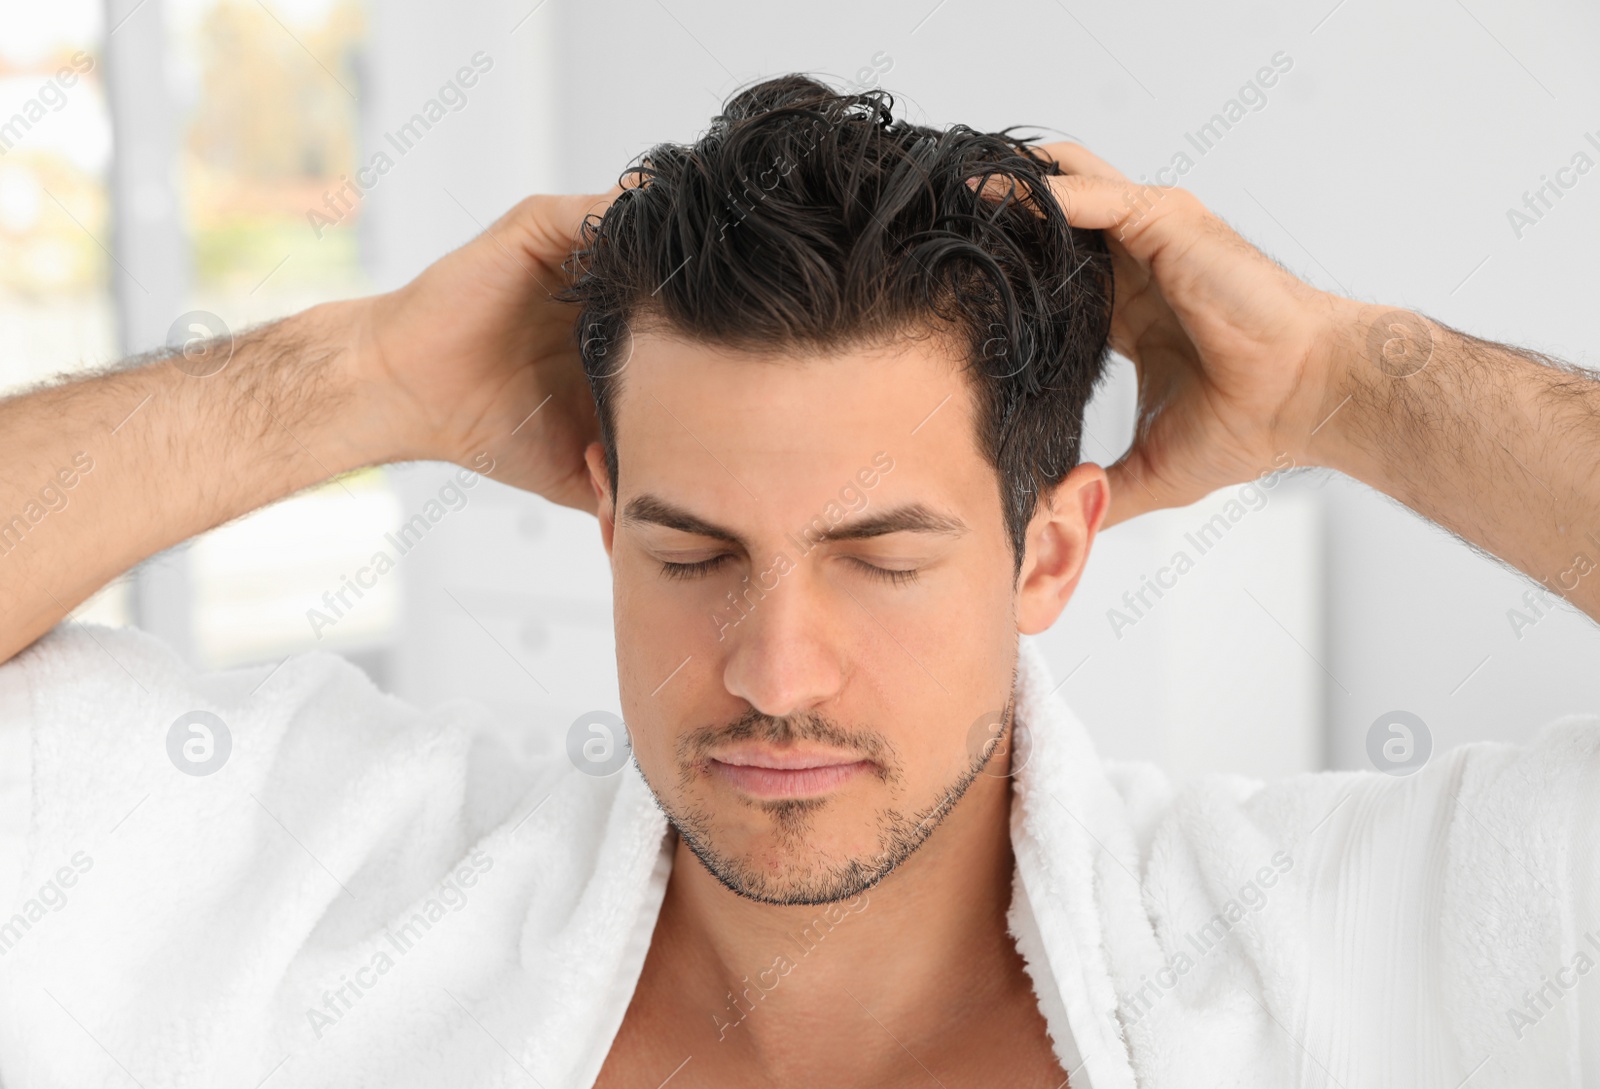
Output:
[[816, 620]]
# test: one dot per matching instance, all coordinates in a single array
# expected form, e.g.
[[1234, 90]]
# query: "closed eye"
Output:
[[893, 575], [701, 568], [694, 570]]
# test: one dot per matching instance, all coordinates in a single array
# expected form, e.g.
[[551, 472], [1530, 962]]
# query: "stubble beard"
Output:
[[800, 881]]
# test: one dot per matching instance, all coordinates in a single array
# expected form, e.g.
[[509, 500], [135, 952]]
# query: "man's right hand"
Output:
[[474, 355], [471, 357]]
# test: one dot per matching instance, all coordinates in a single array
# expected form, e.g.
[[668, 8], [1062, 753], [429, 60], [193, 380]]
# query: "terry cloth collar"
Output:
[[1075, 866]]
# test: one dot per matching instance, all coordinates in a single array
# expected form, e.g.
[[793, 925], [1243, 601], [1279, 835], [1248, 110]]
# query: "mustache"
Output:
[[752, 725]]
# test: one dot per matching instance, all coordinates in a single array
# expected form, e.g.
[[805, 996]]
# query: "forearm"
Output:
[[103, 472], [1498, 445]]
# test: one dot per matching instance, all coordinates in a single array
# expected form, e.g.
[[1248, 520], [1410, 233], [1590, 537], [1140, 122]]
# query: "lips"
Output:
[[787, 773], [786, 759]]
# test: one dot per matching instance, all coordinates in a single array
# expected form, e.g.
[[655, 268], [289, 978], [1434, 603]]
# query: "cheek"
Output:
[[937, 717], [659, 623], [667, 652], [988, 650]]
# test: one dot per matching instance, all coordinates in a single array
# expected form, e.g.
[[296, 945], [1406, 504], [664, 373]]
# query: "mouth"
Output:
[[787, 773]]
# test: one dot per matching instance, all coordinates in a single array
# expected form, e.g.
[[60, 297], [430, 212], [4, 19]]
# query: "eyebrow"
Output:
[[649, 509]]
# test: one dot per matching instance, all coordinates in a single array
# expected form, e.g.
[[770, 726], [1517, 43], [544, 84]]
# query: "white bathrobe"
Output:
[[368, 894]]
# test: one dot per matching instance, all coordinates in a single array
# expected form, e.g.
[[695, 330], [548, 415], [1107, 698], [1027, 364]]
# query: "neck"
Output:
[[925, 944]]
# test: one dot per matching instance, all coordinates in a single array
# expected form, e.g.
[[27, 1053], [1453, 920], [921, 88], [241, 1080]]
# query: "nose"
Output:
[[785, 655]]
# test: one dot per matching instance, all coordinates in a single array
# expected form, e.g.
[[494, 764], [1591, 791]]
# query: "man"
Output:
[[820, 377]]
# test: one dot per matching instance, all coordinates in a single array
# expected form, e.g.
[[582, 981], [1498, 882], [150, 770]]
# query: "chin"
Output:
[[783, 876], [784, 862]]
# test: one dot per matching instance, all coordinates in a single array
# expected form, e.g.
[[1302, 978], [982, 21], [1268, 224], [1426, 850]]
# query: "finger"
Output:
[[560, 217], [1073, 158], [1002, 186], [998, 187], [1076, 159], [1143, 219], [545, 228], [1131, 490], [1103, 203], [1089, 200]]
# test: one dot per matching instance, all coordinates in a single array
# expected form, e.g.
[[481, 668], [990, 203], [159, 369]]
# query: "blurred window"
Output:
[[269, 96]]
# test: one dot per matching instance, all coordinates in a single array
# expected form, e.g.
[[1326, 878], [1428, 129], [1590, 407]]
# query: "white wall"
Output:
[[1382, 165], [507, 601]]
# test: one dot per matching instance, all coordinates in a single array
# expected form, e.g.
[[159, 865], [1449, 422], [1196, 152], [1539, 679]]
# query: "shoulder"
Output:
[[1473, 878], [204, 780], [1563, 755], [1486, 821], [114, 708], [314, 832], [1554, 771]]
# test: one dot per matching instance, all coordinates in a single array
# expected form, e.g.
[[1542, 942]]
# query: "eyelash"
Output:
[[893, 576], [692, 570], [890, 575]]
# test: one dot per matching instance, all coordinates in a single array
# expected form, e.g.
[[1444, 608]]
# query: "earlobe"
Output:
[[1063, 530]]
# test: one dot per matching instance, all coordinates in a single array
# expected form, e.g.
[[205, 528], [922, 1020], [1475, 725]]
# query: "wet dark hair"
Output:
[[806, 219]]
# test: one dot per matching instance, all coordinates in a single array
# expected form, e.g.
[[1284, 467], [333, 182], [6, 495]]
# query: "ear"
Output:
[[1059, 538], [595, 456]]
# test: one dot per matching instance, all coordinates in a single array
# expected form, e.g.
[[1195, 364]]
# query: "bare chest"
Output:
[[664, 1043]]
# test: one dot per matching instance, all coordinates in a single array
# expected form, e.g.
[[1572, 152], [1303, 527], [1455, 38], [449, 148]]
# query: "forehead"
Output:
[[709, 427]]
